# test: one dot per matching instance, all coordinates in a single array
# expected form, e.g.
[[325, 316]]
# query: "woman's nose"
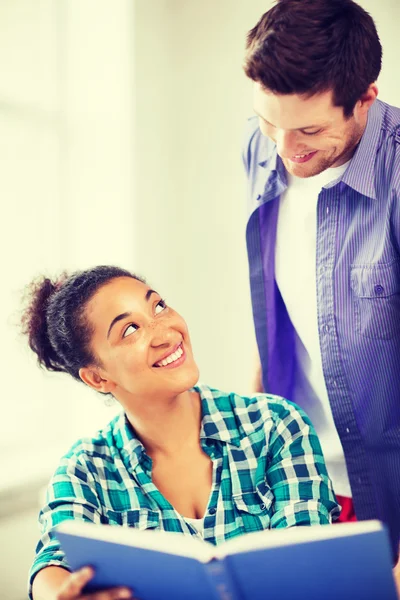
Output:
[[161, 335]]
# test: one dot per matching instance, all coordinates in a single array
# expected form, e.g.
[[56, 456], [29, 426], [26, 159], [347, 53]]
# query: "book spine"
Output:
[[221, 581]]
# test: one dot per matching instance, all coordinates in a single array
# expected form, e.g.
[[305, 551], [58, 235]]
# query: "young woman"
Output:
[[180, 457]]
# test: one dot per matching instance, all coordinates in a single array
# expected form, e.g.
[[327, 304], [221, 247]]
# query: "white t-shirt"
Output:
[[198, 524], [295, 267]]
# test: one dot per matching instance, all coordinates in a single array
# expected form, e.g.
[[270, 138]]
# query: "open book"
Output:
[[349, 561]]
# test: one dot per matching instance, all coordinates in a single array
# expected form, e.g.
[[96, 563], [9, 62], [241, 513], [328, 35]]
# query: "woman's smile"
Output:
[[174, 358]]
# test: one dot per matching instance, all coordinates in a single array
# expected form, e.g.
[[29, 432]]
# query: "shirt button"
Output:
[[347, 430], [326, 328], [212, 510], [259, 197], [334, 383], [379, 289]]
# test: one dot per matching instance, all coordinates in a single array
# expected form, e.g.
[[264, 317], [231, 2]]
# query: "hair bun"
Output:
[[34, 321]]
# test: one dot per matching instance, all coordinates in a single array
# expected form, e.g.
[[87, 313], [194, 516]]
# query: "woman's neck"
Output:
[[164, 427]]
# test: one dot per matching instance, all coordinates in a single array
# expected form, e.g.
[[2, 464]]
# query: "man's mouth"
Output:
[[170, 358], [300, 158]]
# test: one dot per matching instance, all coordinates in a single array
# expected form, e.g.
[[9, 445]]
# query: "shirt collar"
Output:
[[277, 179], [214, 425], [218, 419], [131, 449], [360, 174]]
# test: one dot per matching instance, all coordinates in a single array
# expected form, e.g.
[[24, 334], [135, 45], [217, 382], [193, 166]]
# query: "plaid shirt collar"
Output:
[[212, 428]]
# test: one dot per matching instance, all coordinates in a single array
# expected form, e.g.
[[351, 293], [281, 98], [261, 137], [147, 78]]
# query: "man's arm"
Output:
[[396, 574], [257, 384]]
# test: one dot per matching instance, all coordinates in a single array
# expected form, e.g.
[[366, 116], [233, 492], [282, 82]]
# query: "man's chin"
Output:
[[307, 169]]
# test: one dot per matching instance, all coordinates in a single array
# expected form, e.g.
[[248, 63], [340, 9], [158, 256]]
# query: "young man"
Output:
[[323, 163]]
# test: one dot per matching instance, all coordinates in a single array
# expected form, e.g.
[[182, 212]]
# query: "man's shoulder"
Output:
[[390, 117], [388, 154]]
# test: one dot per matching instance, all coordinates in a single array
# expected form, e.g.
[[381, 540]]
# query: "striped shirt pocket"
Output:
[[376, 290]]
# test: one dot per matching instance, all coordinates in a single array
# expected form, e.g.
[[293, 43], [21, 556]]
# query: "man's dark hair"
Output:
[[312, 46]]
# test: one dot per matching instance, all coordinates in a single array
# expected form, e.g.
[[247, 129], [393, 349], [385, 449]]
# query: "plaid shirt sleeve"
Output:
[[69, 496], [296, 471]]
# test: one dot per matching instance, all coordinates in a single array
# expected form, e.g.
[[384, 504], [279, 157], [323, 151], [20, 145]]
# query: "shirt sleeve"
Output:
[[70, 495], [296, 471]]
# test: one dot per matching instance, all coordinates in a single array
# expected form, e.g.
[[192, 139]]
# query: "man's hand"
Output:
[[72, 587], [257, 385]]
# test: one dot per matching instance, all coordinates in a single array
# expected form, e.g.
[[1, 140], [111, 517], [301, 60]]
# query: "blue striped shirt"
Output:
[[358, 299], [268, 472]]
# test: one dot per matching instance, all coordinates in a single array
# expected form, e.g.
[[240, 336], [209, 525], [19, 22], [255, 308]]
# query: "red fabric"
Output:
[[347, 514]]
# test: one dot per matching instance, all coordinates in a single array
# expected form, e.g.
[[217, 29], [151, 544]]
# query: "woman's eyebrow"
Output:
[[116, 319], [149, 293]]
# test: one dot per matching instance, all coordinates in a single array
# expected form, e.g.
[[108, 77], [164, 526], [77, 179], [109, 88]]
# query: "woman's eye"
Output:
[[130, 329], [160, 306]]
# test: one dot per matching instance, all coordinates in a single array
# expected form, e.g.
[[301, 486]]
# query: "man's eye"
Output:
[[312, 132], [130, 329], [160, 306]]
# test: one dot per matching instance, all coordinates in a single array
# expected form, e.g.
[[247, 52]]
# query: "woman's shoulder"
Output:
[[100, 447], [253, 408]]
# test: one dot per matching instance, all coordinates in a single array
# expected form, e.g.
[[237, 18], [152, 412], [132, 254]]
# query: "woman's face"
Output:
[[142, 344]]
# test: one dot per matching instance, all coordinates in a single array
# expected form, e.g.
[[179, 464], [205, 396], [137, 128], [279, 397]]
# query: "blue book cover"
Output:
[[334, 562]]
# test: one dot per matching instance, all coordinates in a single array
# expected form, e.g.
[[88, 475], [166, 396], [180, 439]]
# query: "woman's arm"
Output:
[[55, 583], [296, 471], [71, 494]]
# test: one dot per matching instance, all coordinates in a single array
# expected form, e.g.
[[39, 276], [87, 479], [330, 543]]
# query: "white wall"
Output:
[[192, 103]]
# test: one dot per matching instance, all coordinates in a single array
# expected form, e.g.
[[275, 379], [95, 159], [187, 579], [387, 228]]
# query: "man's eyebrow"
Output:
[[296, 128], [127, 314]]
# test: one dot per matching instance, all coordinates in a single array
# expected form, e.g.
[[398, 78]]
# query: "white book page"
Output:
[[273, 538], [161, 541], [191, 547]]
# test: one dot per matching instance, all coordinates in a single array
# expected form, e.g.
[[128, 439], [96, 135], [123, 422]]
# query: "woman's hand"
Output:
[[72, 587]]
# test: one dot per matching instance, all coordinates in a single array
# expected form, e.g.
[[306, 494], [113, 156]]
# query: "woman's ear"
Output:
[[95, 380]]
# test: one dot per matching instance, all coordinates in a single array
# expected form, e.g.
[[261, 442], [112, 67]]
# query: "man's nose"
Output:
[[286, 143]]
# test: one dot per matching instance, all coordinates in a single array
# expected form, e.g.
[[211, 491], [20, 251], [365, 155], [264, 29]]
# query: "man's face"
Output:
[[311, 134]]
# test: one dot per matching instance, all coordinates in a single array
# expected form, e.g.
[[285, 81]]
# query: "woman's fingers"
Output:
[[114, 594], [73, 586]]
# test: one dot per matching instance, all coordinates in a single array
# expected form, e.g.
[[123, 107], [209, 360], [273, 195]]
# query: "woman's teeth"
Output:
[[171, 358]]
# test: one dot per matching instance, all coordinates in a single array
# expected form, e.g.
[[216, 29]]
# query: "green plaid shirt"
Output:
[[268, 471]]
